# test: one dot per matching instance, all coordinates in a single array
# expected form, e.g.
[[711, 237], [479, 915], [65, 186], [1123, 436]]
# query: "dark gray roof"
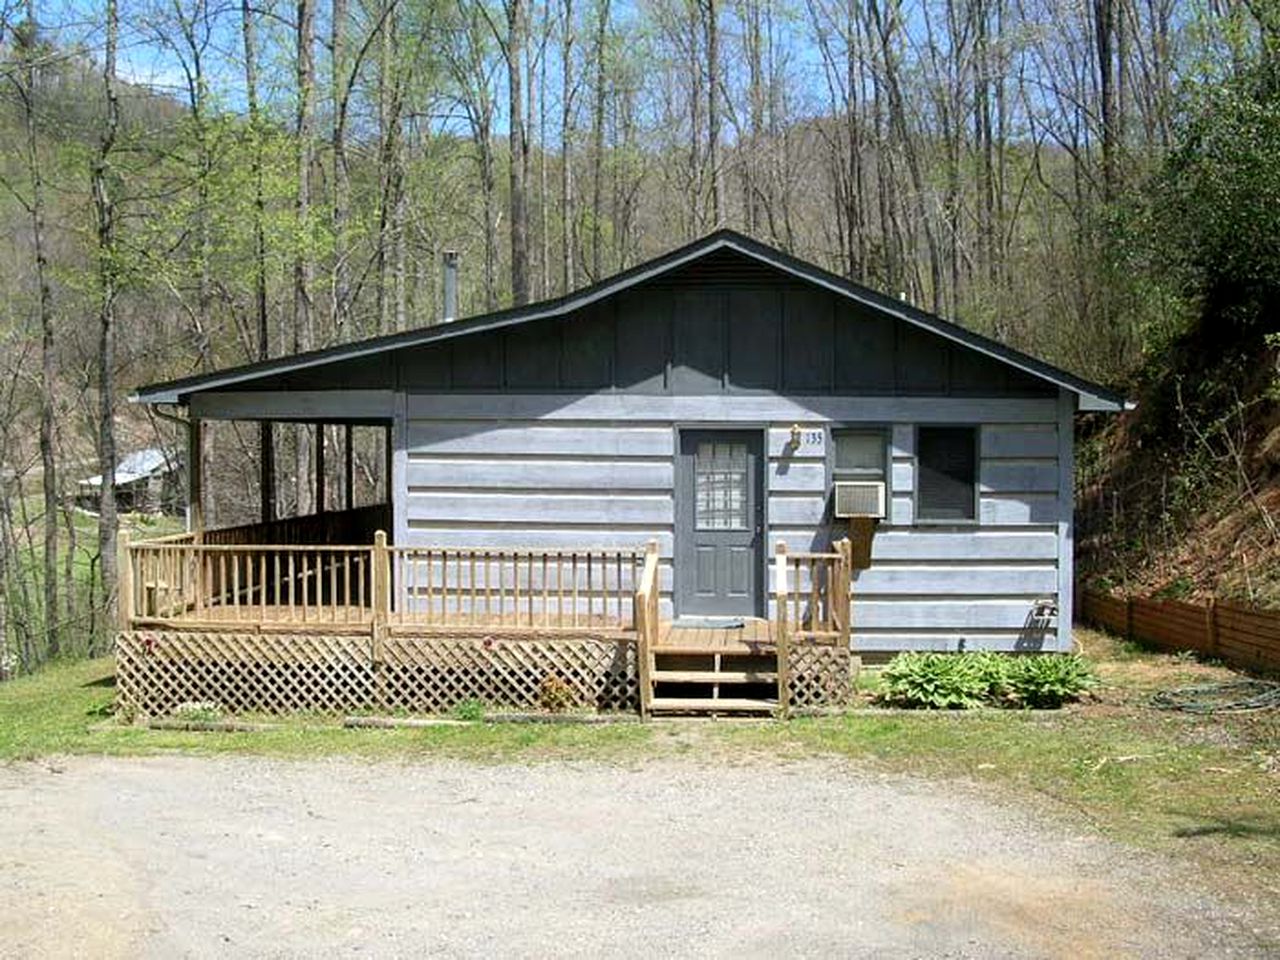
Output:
[[1092, 396]]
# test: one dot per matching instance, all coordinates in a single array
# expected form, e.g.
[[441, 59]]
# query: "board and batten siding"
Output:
[[597, 471]]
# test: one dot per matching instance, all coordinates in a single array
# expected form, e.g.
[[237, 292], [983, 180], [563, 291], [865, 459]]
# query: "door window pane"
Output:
[[720, 486]]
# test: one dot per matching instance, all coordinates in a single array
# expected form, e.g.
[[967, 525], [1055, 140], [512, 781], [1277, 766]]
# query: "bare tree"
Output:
[[513, 49], [340, 211], [711, 26], [600, 54], [568, 94], [105, 217], [26, 82], [303, 264], [471, 71], [266, 444]]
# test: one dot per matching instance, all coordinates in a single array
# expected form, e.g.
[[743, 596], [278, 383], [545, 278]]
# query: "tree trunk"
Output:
[[106, 224], [597, 143], [303, 267], [266, 444], [887, 24], [48, 356], [568, 280], [711, 17], [341, 175], [519, 152], [544, 236], [389, 253], [1104, 37], [9, 661]]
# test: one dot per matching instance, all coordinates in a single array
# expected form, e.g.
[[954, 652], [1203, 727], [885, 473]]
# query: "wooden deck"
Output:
[[755, 636], [489, 618]]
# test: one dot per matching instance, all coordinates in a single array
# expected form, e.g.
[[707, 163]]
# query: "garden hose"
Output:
[[1233, 696]]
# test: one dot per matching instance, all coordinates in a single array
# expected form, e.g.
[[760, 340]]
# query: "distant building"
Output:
[[146, 481]]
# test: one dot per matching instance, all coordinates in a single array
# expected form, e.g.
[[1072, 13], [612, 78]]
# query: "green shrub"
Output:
[[1047, 682], [995, 670], [937, 681], [960, 681]]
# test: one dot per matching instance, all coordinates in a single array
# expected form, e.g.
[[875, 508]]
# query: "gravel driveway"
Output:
[[188, 857]]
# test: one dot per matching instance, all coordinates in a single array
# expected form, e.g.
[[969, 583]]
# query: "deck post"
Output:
[[349, 468], [388, 467], [195, 478], [784, 638], [841, 594], [124, 581], [267, 470], [320, 478], [380, 570]]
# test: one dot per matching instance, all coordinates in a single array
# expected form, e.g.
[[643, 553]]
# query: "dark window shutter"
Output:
[[948, 462]]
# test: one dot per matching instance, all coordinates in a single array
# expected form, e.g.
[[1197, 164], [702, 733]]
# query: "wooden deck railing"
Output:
[[300, 584], [811, 596], [531, 589], [646, 618], [214, 583], [334, 527], [312, 569]]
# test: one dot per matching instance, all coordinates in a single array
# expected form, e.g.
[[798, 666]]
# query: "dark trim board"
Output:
[[1089, 396]]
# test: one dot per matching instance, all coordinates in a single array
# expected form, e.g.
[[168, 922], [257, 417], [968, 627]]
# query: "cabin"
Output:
[[146, 481], [702, 485]]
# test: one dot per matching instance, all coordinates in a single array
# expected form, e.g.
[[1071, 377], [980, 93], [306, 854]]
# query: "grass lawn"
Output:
[[1204, 789]]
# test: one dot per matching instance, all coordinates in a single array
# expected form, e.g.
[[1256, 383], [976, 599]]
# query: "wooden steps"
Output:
[[712, 705], [715, 676], [741, 648], [714, 672]]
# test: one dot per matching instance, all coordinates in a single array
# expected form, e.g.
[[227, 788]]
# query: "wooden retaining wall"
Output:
[[1240, 635]]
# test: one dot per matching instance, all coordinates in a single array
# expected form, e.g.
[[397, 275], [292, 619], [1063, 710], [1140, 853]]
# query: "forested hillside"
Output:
[[192, 185], [1181, 498]]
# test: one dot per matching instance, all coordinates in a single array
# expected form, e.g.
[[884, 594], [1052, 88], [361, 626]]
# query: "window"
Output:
[[947, 459], [720, 486], [860, 454]]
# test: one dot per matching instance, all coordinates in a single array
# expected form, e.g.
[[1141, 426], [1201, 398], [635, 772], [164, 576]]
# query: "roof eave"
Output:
[[1093, 403]]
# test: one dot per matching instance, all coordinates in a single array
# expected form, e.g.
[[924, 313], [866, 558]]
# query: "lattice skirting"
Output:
[[339, 673], [820, 675]]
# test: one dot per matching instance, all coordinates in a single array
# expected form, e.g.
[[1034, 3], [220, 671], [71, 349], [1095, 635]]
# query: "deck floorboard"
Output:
[[754, 636]]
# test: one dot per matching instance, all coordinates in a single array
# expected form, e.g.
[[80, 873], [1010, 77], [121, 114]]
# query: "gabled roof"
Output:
[[1092, 396], [136, 466]]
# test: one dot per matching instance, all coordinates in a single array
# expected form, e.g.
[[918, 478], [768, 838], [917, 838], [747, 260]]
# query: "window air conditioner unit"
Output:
[[863, 498]]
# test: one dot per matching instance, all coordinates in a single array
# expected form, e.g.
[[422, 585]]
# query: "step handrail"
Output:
[[645, 616]]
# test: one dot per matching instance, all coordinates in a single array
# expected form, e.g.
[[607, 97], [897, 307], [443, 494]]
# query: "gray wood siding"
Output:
[[969, 586], [529, 484], [597, 471]]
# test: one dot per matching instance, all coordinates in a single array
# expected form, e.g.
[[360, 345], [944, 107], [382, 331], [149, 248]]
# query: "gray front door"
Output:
[[719, 523]]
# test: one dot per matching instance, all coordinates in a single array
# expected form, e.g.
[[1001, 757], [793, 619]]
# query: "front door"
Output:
[[719, 523]]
